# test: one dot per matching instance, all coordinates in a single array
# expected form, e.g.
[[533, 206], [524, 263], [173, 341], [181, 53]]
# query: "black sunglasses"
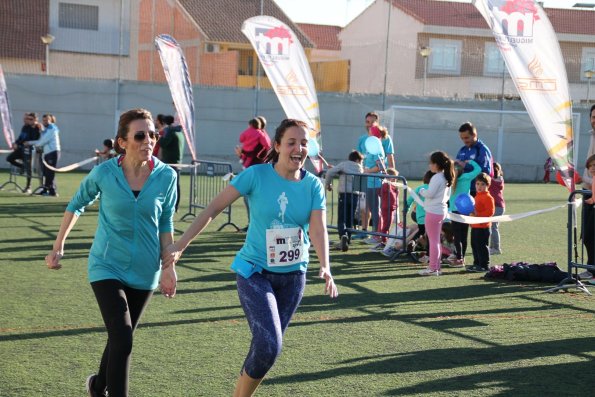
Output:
[[140, 136]]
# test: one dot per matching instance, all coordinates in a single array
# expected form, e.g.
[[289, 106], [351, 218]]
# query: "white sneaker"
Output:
[[585, 275], [388, 252], [372, 240], [429, 272]]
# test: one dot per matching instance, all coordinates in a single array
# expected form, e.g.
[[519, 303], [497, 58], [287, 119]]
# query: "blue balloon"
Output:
[[313, 147], [373, 146], [465, 203]]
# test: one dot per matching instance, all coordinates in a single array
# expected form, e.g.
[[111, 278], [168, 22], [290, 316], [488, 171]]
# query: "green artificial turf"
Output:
[[390, 332]]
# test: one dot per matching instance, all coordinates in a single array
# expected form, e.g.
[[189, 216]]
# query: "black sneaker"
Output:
[[344, 243], [476, 269], [89, 386]]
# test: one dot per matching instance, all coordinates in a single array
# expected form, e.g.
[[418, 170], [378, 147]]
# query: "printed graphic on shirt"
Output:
[[285, 243], [283, 201]]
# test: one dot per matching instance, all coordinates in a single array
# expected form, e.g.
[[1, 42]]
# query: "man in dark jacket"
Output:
[[172, 150], [21, 155]]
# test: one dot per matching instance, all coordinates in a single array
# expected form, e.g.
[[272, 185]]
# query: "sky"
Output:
[[341, 12]]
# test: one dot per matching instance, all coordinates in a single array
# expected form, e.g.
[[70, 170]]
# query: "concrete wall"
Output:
[[86, 113]]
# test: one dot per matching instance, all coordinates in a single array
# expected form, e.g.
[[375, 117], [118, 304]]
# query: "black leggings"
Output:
[[588, 231], [121, 308]]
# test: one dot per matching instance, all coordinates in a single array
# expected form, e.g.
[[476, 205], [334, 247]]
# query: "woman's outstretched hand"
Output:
[[330, 288], [52, 260]]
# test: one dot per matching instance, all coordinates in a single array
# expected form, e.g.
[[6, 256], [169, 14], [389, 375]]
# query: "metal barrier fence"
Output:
[[349, 211], [581, 242], [32, 169], [206, 182]]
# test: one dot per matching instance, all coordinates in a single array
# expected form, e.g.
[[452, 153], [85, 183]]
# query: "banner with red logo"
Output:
[[5, 111], [534, 60], [178, 79], [285, 63]]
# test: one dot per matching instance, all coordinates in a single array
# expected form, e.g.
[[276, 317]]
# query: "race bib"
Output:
[[285, 246]]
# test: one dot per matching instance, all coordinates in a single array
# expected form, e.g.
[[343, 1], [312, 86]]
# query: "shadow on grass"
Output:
[[41, 209], [90, 330], [533, 381]]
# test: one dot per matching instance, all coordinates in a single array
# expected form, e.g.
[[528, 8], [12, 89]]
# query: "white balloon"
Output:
[[374, 146], [313, 148]]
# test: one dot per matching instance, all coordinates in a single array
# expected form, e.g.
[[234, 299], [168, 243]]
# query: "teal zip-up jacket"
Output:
[[126, 245], [464, 183]]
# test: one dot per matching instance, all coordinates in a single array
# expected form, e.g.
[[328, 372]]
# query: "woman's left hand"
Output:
[[168, 282], [330, 288]]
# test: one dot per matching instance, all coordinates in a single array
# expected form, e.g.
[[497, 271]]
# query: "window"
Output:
[[91, 26], [587, 62], [493, 63], [445, 57], [78, 16], [246, 65]]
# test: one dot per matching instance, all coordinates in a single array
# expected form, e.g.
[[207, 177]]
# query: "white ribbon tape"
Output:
[[471, 220], [71, 166]]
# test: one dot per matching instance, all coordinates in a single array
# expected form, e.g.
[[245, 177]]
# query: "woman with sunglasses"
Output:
[[135, 223], [286, 202]]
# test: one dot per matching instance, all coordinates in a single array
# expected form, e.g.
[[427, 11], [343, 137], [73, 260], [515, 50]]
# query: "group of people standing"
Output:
[[473, 171], [134, 250], [44, 136]]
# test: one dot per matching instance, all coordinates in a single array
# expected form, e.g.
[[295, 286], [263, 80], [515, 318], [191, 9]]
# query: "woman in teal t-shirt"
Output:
[[286, 202]]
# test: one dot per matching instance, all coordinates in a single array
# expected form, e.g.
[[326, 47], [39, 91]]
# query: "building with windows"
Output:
[[445, 49], [114, 39]]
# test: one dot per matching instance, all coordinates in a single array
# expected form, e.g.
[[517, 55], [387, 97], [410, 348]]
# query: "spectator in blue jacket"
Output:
[[475, 150], [135, 224], [50, 142]]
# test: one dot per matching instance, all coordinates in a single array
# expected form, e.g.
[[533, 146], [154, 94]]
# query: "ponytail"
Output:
[[449, 173], [446, 165]]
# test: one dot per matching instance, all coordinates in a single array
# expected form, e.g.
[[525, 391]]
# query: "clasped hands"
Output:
[[169, 278]]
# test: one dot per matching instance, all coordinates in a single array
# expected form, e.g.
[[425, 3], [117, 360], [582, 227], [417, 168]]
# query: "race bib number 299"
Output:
[[285, 246]]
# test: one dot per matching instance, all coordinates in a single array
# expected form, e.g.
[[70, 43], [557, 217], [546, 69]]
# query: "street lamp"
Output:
[[47, 40], [588, 75], [425, 53]]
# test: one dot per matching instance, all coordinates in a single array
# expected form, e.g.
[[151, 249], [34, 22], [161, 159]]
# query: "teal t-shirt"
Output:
[[387, 145], [370, 162], [420, 211], [276, 204]]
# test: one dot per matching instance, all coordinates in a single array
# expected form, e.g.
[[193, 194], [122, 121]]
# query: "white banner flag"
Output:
[[285, 63], [532, 54], [5, 111], [178, 79]]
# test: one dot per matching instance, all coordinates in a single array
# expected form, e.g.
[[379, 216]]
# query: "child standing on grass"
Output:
[[497, 192], [389, 196], [436, 196], [480, 232], [419, 212], [461, 230]]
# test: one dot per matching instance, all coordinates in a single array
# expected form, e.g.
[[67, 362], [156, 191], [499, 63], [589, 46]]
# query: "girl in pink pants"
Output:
[[436, 196]]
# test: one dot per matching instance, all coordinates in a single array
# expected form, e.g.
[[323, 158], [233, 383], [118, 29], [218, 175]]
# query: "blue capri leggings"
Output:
[[269, 301]]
